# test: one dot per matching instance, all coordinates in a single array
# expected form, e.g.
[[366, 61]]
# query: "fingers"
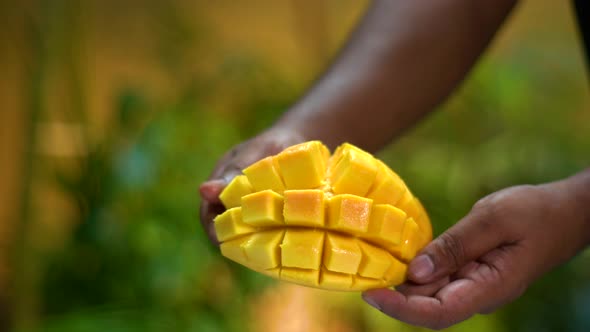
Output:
[[210, 190], [211, 206], [483, 290], [410, 288], [208, 212], [473, 236]]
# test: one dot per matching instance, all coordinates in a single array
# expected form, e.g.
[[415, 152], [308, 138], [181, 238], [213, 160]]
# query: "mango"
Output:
[[304, 208], [344, 222], [263, 208], [230, 225], [354, 172], [303, 166], [264, 175], [232, 195]]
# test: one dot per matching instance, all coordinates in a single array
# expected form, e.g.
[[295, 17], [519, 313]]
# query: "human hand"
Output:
[[231, 164], [491, 256]]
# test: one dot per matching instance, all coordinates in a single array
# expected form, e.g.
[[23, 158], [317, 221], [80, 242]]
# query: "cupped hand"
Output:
[[231, 164], [488, 258]]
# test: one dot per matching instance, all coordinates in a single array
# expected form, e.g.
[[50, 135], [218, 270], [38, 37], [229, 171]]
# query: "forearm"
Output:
[[577, 189], [404, 58]]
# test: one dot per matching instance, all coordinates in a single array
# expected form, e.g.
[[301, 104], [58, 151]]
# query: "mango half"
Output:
[[342, 222]]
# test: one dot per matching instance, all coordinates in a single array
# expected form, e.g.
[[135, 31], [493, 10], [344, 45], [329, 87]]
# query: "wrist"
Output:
[[302, 124]]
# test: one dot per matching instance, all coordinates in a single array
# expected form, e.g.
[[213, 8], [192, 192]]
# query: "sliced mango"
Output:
[[303, 166], [229, 225], [304, 208], [360, 283], [388, 187], [302, 248], [342, 254], [423, 222], [262, 249], [231, 196], [263, 208], [349, 213], [345, 222], [396, 274], [233, 250], [264, 175], [410, 243], [334, 280], [386, 224], [353, 173], [375, 261], [301, 276]]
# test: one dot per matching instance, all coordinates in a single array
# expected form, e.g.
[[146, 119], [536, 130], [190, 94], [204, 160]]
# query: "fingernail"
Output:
[[210, 189], [228, 177], [371, 302], [421, 267]]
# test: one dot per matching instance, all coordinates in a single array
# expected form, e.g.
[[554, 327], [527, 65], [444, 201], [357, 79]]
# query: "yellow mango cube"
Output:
[[339, 152], [301, 276], [375, 261], [231, 196], [302, 248], [333, 280], [411, 241], [424, 224], [303, 166], [387, 188], [341, 254], [349, 213], [274, 273], [354, 173], [264, 174], [304, 207], [361, 283], [396, 274], [229, 225], [409, 205], [232, 249], [386, 225], [262, 249], [263, 208]]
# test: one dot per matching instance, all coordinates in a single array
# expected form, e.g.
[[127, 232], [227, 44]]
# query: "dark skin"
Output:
[[404, 58]]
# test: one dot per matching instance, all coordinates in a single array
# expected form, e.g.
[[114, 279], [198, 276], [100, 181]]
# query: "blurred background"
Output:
[[113, 112]]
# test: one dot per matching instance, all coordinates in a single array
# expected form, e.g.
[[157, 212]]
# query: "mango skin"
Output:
[[344, 222]]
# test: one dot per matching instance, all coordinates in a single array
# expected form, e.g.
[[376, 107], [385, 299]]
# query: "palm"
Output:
[[478, 287]]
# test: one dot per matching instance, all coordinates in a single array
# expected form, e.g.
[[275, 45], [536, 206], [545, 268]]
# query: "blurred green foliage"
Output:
[[137, 259]]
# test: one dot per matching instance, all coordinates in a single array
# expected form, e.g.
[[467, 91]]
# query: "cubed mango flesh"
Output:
[[263, 208], [387, 188], [386, 224], [341, 254], [229, 225], [262, 249], [301, 276], [231, 196], [349, 213], [345, 222], [303, 166], [410, 243], [375, 261], [353, 174], [302, 248], [304, 207], [264, 174], [334, 280]]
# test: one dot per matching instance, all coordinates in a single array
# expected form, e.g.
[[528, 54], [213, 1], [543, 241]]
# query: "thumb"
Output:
[[470, 238]]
